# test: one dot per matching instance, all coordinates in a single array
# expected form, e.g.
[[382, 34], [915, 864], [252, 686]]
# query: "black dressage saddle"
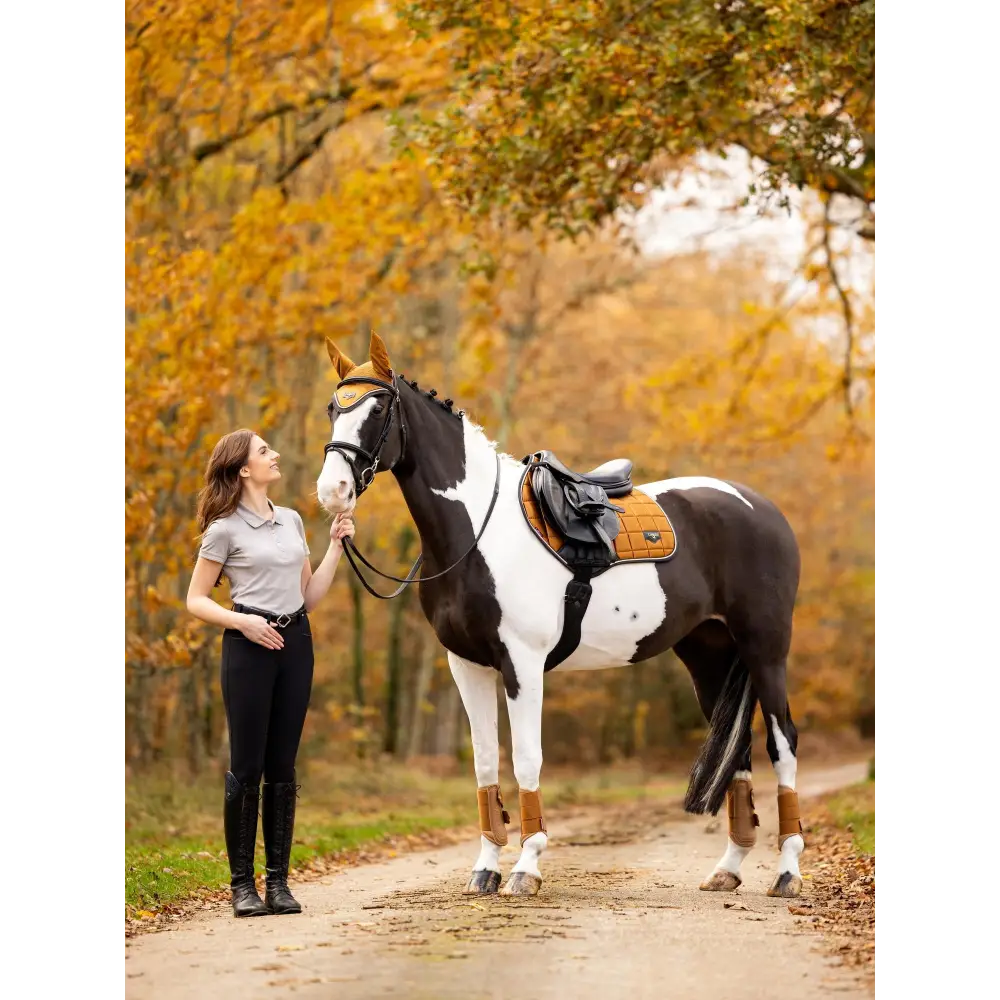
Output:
[[578, 504]]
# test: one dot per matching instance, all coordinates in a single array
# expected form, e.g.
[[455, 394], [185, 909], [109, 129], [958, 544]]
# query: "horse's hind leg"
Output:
[[765, 654], [709, 652], [477, 686]]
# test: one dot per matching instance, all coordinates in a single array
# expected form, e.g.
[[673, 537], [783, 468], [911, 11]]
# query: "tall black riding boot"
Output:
[[241, 833], [279, 821]]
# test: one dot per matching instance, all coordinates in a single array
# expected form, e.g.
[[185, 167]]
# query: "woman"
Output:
[[267, 654]]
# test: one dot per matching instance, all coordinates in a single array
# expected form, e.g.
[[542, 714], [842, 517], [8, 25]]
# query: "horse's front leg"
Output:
[[477, 686], [523, 680]]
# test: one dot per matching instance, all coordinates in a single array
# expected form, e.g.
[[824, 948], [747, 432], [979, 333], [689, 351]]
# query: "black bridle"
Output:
[[364, 479]]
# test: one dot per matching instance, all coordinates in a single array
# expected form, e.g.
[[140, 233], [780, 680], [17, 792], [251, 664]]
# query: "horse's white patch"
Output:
[[790, 851], [733, 857], [785, 766], [347, 427], [530, 853], [489, 857], [627, 603], [692, 483], [478, 687]]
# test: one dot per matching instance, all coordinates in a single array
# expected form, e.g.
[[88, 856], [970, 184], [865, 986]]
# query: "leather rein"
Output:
[[364, 479]]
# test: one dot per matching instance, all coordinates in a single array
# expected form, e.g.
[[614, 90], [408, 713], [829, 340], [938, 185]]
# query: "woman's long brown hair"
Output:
[[221, 492]]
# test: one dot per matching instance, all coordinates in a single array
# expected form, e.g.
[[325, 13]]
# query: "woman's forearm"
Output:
[[208, 611], [321, 580]]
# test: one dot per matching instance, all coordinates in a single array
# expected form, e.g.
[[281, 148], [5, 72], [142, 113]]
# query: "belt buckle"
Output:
[[282, 624]]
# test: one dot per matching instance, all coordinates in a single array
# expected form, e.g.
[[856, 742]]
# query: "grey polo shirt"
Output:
[[262, 558]]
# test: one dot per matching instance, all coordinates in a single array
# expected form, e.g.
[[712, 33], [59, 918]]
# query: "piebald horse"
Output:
[[496, 600]]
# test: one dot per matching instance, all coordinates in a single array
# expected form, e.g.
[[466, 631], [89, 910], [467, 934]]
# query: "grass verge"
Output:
[[175, 851], [853, 810]]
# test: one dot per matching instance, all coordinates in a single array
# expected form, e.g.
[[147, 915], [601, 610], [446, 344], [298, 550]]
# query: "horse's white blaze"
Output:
[[692, 483], [335, 471]]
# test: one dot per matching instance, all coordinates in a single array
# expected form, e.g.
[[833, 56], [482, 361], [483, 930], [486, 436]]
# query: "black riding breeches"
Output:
[[266, 694]]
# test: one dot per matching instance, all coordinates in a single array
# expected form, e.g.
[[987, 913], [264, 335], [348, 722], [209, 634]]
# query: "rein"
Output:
[[372, 458]]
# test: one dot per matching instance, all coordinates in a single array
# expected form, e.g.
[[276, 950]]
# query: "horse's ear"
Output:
[[341, 361], [379, 358]]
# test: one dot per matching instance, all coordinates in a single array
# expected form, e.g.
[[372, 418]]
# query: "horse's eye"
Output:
[[379, 408], [329, 408]]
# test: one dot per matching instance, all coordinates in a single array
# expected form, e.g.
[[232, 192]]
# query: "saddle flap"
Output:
[[580, 511]]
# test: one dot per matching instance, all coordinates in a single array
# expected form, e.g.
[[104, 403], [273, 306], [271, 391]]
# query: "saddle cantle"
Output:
[[572, 514]]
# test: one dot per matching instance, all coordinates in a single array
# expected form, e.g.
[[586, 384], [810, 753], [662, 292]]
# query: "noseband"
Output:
[[363, 479]]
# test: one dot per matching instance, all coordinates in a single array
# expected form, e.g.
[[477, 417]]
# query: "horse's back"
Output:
[[731, 527]]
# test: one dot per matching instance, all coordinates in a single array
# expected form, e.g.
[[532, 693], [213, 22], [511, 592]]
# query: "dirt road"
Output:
[[619, 915]]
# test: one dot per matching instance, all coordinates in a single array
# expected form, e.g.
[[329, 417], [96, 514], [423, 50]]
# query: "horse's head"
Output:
[[367, 428]]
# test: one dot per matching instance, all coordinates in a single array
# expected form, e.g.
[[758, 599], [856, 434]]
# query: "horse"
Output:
[[499, 597]]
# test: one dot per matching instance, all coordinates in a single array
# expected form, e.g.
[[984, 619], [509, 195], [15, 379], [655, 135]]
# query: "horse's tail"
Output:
[[729, 736]]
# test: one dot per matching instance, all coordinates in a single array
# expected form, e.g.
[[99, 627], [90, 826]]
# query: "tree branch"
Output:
[[211, 147], [845, 304]]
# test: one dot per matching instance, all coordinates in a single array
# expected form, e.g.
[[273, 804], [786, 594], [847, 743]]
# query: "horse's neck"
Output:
[[451, 465]]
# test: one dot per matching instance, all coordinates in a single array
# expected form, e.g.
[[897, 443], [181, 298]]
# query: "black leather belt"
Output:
[[280, 621]]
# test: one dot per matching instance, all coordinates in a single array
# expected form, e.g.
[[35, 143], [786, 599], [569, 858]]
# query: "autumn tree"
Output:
[[572, 110], [269, 204]]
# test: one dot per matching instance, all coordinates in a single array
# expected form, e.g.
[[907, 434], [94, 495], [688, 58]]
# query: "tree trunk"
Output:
[[424, 673], [450, 703], [192, 713]]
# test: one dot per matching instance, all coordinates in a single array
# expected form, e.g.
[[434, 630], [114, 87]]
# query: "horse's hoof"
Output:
[[522, 884], [483, 883], [721, 881], [786, 885]]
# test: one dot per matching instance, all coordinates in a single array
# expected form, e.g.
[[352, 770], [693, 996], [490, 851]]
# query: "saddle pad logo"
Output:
[[651, 536]]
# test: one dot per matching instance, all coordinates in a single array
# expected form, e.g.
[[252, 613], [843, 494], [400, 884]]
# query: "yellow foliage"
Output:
[[267, 209]]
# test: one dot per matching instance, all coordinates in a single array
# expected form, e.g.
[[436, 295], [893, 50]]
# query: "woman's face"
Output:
[[262, 464]]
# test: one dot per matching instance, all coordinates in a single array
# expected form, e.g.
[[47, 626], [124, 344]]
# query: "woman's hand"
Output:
[[341, 528], [257, 629]]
